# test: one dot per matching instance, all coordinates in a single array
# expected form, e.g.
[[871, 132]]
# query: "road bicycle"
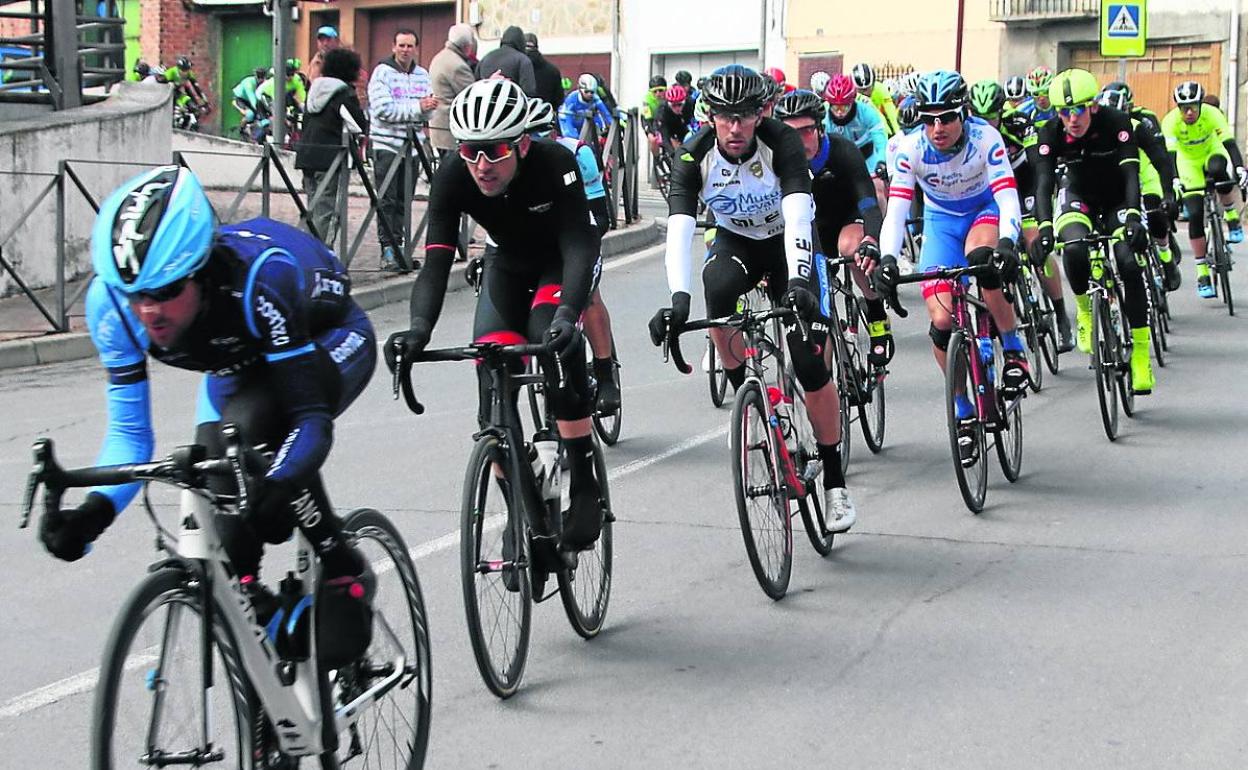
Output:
[[191, 677], [1036, 321], [1219, 252], [860, 382]]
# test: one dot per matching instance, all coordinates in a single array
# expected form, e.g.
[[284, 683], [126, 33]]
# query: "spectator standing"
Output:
[[326, 41], [547, 76], [399, 97], [449, 73], [509, 61], [332, 105]]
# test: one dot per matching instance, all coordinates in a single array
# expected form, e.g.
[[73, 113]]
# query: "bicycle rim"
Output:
[[1224, 277], [493, 553], [1156, 322], [1025, 313], [1105, 366], [1122, 350], [810, 506], [1048, 334], [151, 697], [1009, 440], [586, 591], [607, 425], [972, 477], [871, 379], [717, 378], [761, 495], [394, 730]]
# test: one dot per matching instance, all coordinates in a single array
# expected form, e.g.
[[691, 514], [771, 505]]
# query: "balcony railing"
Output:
[[1043, 10]]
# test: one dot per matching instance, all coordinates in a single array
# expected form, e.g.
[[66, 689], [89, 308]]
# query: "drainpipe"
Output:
[[762, 37], [1232, 75]]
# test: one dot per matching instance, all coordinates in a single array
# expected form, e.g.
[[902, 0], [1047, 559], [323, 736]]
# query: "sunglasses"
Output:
[[1074, 110], [164, 293], [944, 118], [493, 152], [734, 117]]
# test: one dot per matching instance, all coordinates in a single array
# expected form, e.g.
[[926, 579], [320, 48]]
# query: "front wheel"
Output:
[[761, 493], [152, 705], [1105, 364], [967, 438]]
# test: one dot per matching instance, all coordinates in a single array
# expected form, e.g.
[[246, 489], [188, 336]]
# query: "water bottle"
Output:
[[986, 355]]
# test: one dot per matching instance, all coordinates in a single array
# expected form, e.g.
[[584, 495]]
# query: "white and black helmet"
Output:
[[863, 75], [490, 110], [541, 115], [819, 81], [1189, 92], [587, 83], [1015, 87]]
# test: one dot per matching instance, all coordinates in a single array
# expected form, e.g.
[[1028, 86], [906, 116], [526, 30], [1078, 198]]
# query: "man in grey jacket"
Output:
[[450, 72], [399, 97], [509, 61]]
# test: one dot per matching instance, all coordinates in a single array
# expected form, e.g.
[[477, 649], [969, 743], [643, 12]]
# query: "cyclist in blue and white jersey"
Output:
[[972, 211], [582, 104], [753, 175]]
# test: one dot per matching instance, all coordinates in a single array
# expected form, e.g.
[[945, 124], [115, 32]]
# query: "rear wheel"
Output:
[[870, 379], [607, 424], [843, 380], [585, 590], [1105, 364], [717, 378], [972, 472], [761, 494], [1028, 323], [1048, 334]]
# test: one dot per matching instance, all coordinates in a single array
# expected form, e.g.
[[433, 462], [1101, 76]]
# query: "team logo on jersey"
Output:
[[903, 163], [1123, 136], [996, 156], [541, 208], [756, 168], [1044, 149], [569, 179]]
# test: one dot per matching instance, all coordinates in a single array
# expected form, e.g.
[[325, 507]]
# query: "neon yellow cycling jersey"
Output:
[[881, 100], [1200, 139], [1150, 178]]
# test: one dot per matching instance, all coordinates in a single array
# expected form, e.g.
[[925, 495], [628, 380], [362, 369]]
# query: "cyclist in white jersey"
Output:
[[753, 176]]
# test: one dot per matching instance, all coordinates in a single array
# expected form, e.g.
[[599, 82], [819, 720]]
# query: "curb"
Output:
[[56, 348]]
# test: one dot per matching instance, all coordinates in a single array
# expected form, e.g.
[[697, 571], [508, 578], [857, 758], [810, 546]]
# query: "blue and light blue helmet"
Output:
[[154, 230], [940, 90]]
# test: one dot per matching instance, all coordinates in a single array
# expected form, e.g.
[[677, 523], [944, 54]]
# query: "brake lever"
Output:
[[44, 462]]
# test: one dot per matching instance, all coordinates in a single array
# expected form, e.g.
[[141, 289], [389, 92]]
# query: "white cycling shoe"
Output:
[[838, 510]]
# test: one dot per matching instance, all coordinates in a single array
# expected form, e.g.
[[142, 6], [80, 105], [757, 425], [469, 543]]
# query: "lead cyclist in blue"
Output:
[[581, 105], [265, 311]]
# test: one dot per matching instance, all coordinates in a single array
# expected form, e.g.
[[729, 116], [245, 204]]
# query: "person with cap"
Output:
[[326, 41], [509, 61], [547, 76], [449, 73]]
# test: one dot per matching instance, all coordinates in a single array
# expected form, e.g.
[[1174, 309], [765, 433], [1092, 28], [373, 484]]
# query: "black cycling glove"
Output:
[[66, 533]]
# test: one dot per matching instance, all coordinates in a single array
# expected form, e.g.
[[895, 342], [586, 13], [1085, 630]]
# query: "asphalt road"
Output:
[[1094, 615]]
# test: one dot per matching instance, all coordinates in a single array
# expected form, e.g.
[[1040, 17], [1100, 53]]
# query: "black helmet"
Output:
[[142, 68], [908, 113], [684, 78], [701, 82], [1120, 85], [801, 104], [658, 81], [260, 72], [183, 63], [735, 88]]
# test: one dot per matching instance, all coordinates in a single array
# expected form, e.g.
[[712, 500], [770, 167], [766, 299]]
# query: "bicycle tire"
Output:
[[717, 377], [1155, 317], [843, 379], [1105, 366], [1009, 435], [607, 425], [1048, 346], [868, 381], [123, 665], [587, 611], [1224, 278], [1123, 348], [973, 478], [503, 679], [751, 431], [369, 525], [1025, 316]]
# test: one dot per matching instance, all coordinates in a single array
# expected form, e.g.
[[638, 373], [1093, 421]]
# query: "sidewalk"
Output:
[[23, 341]]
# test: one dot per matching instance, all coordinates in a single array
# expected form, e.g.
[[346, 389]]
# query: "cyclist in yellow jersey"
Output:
[[1203, 149], [875, 93]]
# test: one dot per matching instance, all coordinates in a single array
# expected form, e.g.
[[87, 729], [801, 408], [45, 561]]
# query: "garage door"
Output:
[[1154, 75], [699, 64], [573, 65], [430, 21]]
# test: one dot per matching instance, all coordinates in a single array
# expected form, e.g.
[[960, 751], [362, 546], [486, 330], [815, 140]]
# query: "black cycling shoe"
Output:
[[968, 447], [1065, 337], [1014, 373], [1174, 278], [583, 521], [345, 617], [608, 396]]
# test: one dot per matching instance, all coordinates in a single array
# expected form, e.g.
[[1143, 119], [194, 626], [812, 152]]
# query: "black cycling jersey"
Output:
[[1102, 165], [673, 124], [843, 192], [542, 220]]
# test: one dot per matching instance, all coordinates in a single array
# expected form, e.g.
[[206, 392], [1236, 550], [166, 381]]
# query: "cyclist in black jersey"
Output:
[[847, 216], [1100, 192], [674, 116], [753, 175], [529, 197]]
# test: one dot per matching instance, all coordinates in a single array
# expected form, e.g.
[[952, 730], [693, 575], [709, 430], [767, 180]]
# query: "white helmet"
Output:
[[819, 82], [490, 110], [587, 82], [541, 115]]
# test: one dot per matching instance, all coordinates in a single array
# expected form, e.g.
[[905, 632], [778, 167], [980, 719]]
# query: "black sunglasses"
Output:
[[945, 118], [164, 293]]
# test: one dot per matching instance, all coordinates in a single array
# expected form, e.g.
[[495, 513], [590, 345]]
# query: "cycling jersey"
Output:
[[1193, 146], [574, 111], [1019, 134], [673, 124], [842, 191], [864, 126], [1156, 174], [1037, 116], [764, 194], [1102, 165], [246, 91], [591, 174], [294, 89], [274, 298], [883, 102]]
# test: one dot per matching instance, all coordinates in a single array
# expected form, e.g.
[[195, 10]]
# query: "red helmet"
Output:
[[777, 75], [676, 94], [840, 90]]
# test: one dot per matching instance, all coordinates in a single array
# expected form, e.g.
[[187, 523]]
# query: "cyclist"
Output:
[[856, 120], [753, 175], [1016, 91], [777, 75], [596, 320], [143, 73], [185, 85], [1100, 192], [988, 103], [529, 198], [265, 311], [683, 78], [1038, 107], [846, 211], [675, 116], [247, 97], [877, 94], [972, 213], [295, 91], [581, 104], [1156, 182], [649, 112], [819, 81], [1203, 149]]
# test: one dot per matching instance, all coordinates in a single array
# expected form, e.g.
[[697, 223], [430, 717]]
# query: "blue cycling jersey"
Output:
[[574, 111], [270, 293], [864, 127], [1037, 116]]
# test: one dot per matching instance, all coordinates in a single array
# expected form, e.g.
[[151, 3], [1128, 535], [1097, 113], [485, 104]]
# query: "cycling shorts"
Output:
[[944, 235], [1192, 169]]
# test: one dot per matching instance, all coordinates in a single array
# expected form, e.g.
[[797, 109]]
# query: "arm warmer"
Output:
[[679, 257], [799, 214]]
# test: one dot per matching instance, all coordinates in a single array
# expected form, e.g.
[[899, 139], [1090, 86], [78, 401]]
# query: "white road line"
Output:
[[85, 681]]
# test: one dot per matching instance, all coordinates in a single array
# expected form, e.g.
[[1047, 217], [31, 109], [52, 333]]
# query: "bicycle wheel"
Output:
[[1009, 438], [972, 473], [809, 504], [586, 590], [394, 730], [761, 494], [1048, 331], [1105, 364], [152, 704], [1028, 327], [1156, 319], [537, 396], [843, 377], [494, 556], [1123, 346], [1223, 267], [868, 380], [607, 424], [717, 378]]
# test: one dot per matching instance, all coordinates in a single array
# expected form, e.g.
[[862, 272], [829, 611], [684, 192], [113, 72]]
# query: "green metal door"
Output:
[[246, 43], [129, 10]]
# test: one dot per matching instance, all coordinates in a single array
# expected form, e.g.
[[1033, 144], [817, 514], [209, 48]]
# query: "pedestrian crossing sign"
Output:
[[1123, 27]]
